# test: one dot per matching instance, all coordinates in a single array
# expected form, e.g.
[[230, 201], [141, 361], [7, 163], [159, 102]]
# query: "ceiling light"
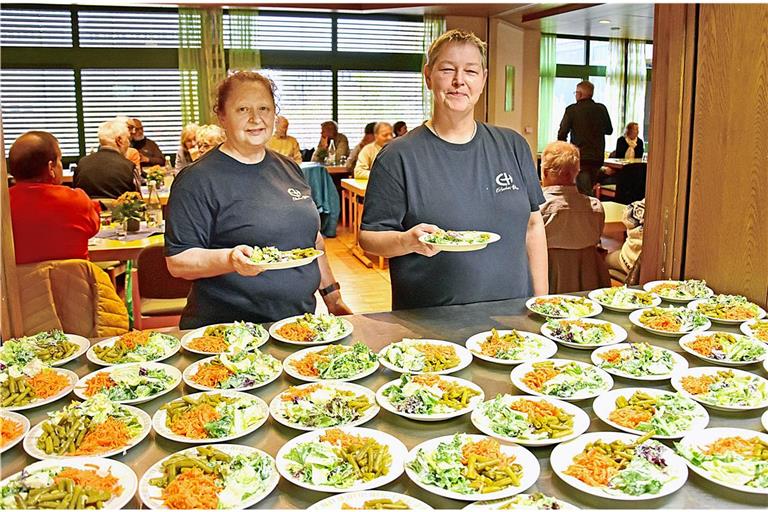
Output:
[[605, 22]]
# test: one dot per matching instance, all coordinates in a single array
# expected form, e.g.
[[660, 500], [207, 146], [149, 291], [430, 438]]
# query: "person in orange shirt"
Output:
[[50, 221]]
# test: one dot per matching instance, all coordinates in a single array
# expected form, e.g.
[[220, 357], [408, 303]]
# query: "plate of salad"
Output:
[[728, 309], [672, 321], [321, 405], [510, 347], [757, 329], [530, 421], [53, 347], [272, 258], [425, 356], [736, 458], [429, 397], [666, 414], [724, 348], [87, 481], [222, 476], [96, 427], [764, 420], [535, 501], [583, 333], [370, 500], [130, 384], [210, 416], [459, 241], [563, 306], [638, 361], [332, 362], [321, 460], [220, 338], [241, 371], [621, 298], [619, 466], [13, 428], [471, 467], [33, 385], [561, 378], [311, 329], [134, 347], [679, 291], [723, 390]]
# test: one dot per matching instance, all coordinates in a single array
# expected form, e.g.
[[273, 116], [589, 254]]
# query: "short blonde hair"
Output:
[[457, 36], [560, 158], [189, 131], [210, 135]]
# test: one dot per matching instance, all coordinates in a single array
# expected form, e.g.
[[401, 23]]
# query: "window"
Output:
[[129, 29], [35, 28], [649, 55], [570, 51], [599, 52], [386, 36], [40, 99], [152, 95], [283, 33], [564, 96], [372, 96]]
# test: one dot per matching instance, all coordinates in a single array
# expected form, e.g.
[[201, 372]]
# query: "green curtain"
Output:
[[243, 25], [434, 27], [614, 81], [547, 69], [636, 76], [201, 62]]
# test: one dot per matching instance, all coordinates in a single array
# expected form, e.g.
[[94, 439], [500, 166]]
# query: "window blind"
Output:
[[380, 36], [28, 27], [129, 29], [283, 33]]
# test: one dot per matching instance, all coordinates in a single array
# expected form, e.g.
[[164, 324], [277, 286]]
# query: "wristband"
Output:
[[329, 289]]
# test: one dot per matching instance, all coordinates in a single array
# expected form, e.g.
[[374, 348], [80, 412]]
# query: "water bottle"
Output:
[[331, 160], [154, 207]]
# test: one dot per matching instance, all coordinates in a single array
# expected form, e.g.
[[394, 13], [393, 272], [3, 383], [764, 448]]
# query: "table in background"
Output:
[[453, 323], [614, 226], [620, 163], [106, 249], [630, 177], [353, 194]]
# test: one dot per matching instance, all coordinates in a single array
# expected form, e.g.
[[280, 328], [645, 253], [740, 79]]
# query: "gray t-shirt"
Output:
[[487, 184]]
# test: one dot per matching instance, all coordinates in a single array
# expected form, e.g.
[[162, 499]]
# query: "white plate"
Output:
[[511, 504], [30, 441], [464, 355], [357, 499], [677, 377], [605, 404], [563, 454], [547, 349], [694, 306], [634, 317], [462, 247], [92, 357], [706, 437], [651, 284], [158, 420], [18, 418], [82, 347], [679, 363], [104, 467], [473, 402], [746, 328], [200, 332], [71, 377], [150, 494], [348, 328], [620, 334], [520, 372], [397, 450], [172, 371], [192, 369], [580, 423], [276, 410], [282, 265], [764, 420], [595, 295], [298, 356], [688, 338], [525, 458], [596, 308]]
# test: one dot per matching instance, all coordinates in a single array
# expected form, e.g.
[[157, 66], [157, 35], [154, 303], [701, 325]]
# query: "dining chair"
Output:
[[158, 297]]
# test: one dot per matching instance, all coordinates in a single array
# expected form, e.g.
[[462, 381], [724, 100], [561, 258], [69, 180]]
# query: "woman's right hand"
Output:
[[240, 257], [410, 240]]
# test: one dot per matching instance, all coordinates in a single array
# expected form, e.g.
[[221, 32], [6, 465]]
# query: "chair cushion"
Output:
[[161, 307]]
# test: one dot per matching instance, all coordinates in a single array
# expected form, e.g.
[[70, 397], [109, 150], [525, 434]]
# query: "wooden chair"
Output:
[[158, 297], [573, 270]]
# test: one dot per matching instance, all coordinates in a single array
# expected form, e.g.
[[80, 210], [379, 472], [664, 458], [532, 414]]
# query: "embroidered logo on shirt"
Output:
[[296, 194], [505, 182]]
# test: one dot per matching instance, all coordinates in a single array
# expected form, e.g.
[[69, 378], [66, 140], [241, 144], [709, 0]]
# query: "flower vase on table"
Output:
[[129, 209]]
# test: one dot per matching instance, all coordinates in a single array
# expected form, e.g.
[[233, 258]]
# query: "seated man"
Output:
[[106, 173], [283, 143], [382, 134], [329, 131], [367, 139], [150, 152], [50, 221]]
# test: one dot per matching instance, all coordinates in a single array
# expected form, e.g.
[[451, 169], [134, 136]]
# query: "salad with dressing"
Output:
[[728, 307], [321, 405], [445, 237], [623, 297], [565, 380], [511, 345], [428, 394], [128, 382], [274, 255], [728, 388], [48, 346], [637, 360], [668, 414], [672, 319], [241, 370], [235, 337], [212, 415], [724, 346], [732, 460], [681, 290], [421, 356], [522, 418], [335, 362], [580, 331], [563, 306], [311, 327]]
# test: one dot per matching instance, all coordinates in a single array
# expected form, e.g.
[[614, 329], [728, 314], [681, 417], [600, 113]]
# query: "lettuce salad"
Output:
[[421, 356], [682, 290], [131, 383], [731, 460], [428, 394], [623, 297], [672, 319], [564, 381], [336, 362], [728, 388], [582, 332], [562, 307], [324, 327], [535, 501], [322, 405], [729, 307], [442, 237], [237, 371], [638, 360], [512, 345], [519, 417], [723, 346], [274, 255], [669, 414]]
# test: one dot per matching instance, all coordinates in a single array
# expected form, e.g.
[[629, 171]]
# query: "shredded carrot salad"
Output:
[[486, 448], [90, 478], [536, 379], [436, 351], [537, 409], [630, 416], [663, 323], [192, 423], [209, 344], [104, 437], [429, 379], [705, 345], [47, 383], [697, 385], [294, 393], [9, 430], [296, 332], [211, 374], [192, 489], [495, 343], [737, 444], [760, 330], [593, 467], [135, 338], [340, 438], [611, 356], [307, 365], [99, 382]]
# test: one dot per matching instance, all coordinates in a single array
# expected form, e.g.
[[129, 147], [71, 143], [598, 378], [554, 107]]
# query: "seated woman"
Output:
[[50, 221], [629, 145], [208, 137], [187, 152], [625, 258]]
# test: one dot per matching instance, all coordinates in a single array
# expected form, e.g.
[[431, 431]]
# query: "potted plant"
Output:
[[130, 208], [156, 174]]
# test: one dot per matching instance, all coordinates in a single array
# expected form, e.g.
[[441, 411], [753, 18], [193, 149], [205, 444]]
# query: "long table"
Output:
[[454, 323]]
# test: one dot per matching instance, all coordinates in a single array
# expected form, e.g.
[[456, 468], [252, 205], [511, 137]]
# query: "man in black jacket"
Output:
[[151, 154], [107, 173], [588, 123]]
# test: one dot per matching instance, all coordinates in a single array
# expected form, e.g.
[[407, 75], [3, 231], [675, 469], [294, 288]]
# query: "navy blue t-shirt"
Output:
[[218, 202], [487, 184]]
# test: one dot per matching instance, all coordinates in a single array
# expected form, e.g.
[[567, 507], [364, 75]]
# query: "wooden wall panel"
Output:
[[727, 238], [10, 312]]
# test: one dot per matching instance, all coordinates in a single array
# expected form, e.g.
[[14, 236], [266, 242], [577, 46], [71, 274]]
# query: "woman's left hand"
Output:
[[336, 305]]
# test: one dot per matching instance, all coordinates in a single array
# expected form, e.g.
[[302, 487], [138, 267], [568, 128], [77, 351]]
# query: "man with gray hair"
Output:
[[382, 134], [588, 123], [107, 173]]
